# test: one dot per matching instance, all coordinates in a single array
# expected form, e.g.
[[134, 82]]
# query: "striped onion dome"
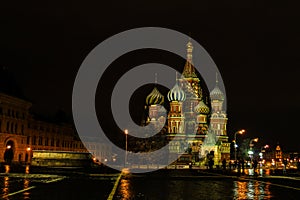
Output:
[[155, 97], [176, 94], [217, 94], [201, 108]]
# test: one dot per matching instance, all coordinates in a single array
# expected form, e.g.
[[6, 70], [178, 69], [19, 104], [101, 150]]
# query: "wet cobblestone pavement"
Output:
[[164, 184]]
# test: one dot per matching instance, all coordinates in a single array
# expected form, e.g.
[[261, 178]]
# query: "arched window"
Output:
[[46, 141], [22, 129], [7, 127], [34, 140], [57, 143], [40, 140], [12, 127]]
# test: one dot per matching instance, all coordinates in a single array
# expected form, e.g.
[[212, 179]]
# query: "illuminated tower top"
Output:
[[189, 70], [155, 97], [201, 108], [176, 93], [216, 93]]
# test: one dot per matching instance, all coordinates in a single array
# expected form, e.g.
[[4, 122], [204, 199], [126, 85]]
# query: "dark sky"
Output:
[[255, 45]]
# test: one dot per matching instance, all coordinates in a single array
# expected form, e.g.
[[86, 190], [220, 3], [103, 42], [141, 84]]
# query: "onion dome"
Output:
[[155, 97], [201, 108], [176, 94], [216, 93]]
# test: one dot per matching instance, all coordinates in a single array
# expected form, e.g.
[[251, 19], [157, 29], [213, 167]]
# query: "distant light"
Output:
[[105, 160], [8, 147], [28, 149], [235, 145], [126, 131], [250, 152], [260, 154]]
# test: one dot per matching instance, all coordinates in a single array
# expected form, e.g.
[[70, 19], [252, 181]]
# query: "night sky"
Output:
[[255, 45]]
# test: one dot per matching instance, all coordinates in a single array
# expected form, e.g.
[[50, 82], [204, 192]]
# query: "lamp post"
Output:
[[261, 155], [126, 133], [235, 145], [251, 151], [263, 149]]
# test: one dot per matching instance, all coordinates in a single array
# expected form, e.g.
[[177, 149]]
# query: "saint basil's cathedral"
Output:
[[199, 129]]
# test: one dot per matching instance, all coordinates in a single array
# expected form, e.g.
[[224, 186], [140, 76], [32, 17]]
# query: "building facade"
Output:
[[21, 133]]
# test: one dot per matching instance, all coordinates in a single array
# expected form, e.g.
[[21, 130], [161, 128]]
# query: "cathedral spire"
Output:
[[189, 50], [216, 93], [189, 70]]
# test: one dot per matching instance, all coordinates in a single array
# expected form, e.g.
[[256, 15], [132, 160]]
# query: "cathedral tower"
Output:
[[176, 96], [190, 84], [154, 105], [218, 119]]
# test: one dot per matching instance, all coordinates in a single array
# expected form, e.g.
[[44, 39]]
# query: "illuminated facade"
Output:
[[20, 133], [190, 113]]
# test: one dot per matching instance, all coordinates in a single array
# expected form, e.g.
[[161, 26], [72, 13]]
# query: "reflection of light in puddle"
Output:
[[5, 189], [240, 190], [252, 190], [7, 168], [27, 169], [124, 185], [26, 185], [124, 189]]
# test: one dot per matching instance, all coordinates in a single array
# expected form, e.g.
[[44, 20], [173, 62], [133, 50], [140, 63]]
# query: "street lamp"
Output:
[[126, 133], [235, 145], [263, 150], [251, 151], [251, 142]]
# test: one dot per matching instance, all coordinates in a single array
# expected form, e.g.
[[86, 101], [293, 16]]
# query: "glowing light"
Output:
[[8, 147], [27, 169], [250, 152], [28, 149], [7, 168], [126, 131]]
